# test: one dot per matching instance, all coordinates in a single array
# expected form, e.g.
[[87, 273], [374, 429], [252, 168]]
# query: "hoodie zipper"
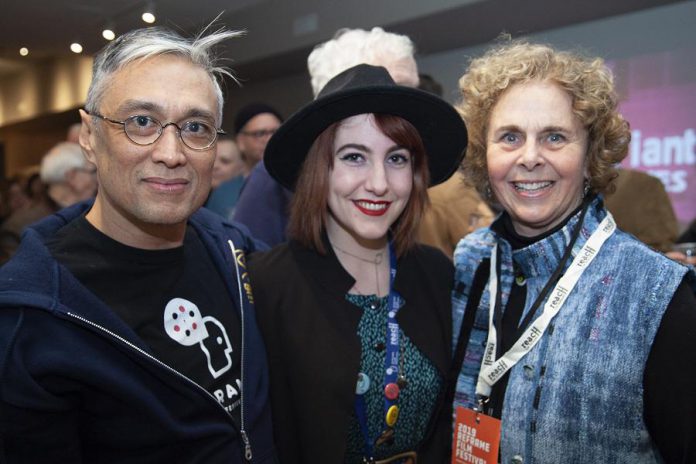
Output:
[[146, 354], [242, 429], [247, 444]]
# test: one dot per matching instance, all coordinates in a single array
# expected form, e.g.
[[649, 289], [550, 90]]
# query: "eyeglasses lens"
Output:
[[197, 134], [145, 130]]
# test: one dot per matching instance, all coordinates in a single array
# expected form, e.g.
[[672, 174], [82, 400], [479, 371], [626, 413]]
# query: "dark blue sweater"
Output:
[[264, 206], [78, 385]]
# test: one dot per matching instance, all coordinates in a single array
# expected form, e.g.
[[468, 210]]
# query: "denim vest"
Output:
[[577, 396]]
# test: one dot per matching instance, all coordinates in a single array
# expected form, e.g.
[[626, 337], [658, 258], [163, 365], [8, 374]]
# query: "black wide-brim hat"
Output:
[[369, 89]]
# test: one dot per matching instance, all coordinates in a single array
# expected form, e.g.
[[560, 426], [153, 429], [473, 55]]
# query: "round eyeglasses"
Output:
[[146, 130]]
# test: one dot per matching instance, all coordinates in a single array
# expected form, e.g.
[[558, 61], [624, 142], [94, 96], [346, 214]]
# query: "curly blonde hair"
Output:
[[587, 80]]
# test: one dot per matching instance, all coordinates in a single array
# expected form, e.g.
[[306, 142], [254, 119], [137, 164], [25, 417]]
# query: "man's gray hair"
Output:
[[61, 159], [154, 41], [351, 47]]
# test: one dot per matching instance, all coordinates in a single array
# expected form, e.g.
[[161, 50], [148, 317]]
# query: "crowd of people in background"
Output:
[[65, 177], [243, 191], [429, 265]]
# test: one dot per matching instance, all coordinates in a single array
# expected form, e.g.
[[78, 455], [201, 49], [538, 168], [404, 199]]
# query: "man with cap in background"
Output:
[[260, 196], [253, 126]]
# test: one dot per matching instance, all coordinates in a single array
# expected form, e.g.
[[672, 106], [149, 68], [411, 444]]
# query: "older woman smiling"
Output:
[[578, 337]]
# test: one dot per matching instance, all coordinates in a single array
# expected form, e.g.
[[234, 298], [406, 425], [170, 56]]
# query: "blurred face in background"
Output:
[[228, 162], [83, 181], [254, 136], [17, 198]]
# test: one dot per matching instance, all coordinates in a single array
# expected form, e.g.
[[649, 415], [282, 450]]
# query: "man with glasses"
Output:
[[254, 125], [127, 329]]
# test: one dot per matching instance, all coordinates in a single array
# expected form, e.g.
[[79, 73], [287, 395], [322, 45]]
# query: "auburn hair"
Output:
[[309, 209]]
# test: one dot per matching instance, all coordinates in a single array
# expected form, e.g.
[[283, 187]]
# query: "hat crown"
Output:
[[362, 75], [366, 89]]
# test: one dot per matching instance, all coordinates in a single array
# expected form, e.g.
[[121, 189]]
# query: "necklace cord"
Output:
[[376, 261]]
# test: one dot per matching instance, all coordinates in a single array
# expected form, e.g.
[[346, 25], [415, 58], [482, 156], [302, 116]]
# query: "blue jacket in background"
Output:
[[263, 206], [78, 385], [223, 199]]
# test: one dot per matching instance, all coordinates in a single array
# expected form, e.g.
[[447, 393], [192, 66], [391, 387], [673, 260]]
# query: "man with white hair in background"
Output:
[[65, 177], [263, 203], [351, 47], [127, 326], [253, 126], [68, 175]]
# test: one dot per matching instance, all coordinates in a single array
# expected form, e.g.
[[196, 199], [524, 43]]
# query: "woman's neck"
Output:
[[367, 261], [505, 227]]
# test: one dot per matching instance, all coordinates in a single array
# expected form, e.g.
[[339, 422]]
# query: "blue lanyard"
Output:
[[391, 360]]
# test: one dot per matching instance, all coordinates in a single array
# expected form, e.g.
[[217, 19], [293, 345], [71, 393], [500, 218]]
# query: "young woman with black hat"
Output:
[[356, 315]]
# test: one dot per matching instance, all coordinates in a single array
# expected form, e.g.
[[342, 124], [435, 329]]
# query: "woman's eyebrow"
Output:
[[355, 146]]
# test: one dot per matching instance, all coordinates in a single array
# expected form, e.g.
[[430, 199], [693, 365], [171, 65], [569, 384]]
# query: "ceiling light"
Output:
[[24, 51], [149, 13], [108, 34], [76, 47]]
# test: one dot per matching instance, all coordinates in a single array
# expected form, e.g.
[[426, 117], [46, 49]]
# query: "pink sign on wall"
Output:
[[659, 101]]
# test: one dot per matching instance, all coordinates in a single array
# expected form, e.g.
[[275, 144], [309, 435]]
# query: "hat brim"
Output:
[[440, 127]]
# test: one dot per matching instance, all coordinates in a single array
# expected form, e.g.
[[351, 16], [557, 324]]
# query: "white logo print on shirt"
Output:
[[185, 325]]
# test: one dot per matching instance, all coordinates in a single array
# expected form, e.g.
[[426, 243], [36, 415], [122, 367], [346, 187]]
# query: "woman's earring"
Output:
[[489, 192], [586, 188]]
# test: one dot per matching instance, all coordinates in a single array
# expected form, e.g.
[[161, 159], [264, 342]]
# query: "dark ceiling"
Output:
[[48, 27]]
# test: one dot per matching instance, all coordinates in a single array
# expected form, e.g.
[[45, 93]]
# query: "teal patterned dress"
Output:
[[416, 400]]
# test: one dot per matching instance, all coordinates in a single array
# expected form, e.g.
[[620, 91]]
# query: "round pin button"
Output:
[[392, 415], [363, 384], [391, 391]]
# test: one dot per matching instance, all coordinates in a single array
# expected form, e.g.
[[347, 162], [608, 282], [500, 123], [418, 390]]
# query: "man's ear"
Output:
[[240, 145], [87, 135]]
